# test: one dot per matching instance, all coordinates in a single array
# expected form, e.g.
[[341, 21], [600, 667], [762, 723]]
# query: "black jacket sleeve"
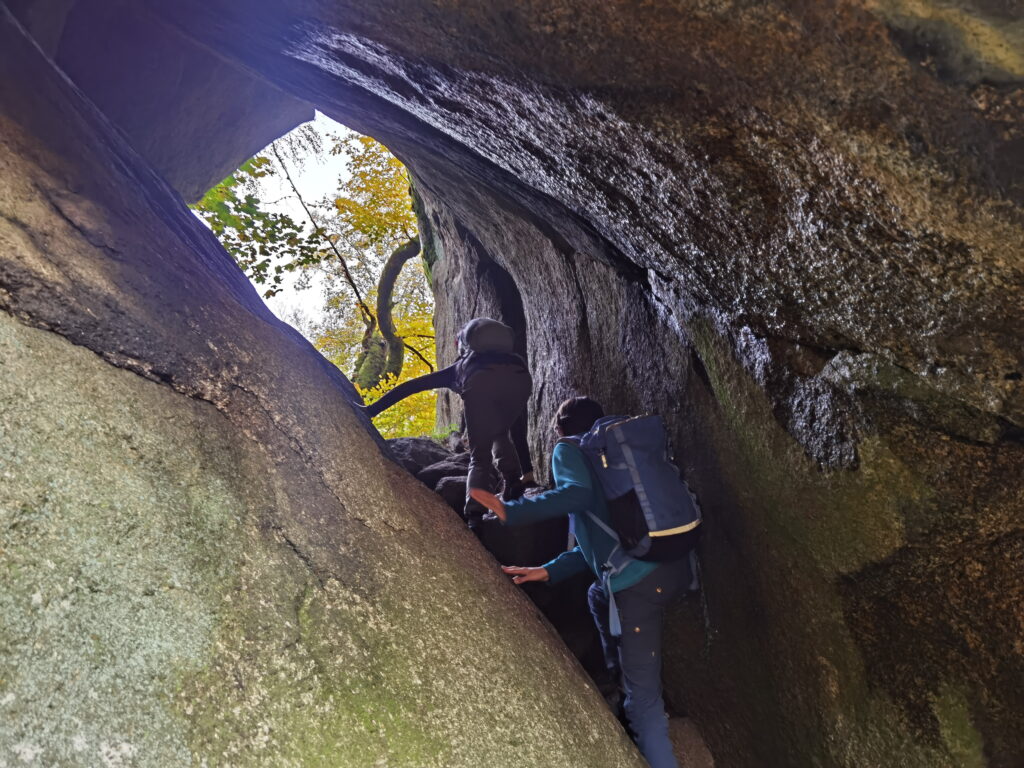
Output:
[[446, 377]]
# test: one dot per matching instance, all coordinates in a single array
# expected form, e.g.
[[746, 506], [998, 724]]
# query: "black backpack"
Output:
[[485, 342]]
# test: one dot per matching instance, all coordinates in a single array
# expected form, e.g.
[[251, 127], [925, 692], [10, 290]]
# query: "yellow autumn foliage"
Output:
[[370, 216], [413, 314], [375, 216]]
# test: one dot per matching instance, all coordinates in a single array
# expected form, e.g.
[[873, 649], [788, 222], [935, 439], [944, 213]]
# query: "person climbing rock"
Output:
[[521, 442], [642, 590], [495, 385]]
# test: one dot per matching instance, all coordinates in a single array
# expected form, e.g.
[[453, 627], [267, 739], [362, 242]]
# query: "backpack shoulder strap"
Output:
[[576, 441], [602, 525]]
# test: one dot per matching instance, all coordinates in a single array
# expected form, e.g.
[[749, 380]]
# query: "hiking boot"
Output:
[[514, 489]]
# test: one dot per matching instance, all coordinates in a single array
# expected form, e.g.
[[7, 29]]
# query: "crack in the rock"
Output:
[[85, 234], [151, 373], [32, 236], [312, 567]]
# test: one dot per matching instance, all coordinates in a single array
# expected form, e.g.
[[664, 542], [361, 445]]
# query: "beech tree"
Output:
[[375, 213], [265, 244], [363, 240]]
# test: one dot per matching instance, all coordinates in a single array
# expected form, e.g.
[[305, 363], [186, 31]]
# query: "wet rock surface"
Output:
[[792, 229], [767, 179]]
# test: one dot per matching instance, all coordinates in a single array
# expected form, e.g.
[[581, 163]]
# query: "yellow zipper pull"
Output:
[[604, 461]]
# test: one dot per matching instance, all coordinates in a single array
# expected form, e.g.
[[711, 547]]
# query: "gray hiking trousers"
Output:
[[494, 398], [636, 656]]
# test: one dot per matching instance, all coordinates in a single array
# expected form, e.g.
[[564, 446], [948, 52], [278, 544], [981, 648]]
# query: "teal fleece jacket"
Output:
[[576, 490]]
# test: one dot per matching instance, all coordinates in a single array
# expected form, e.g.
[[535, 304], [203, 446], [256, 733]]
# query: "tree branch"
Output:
[[385, 290], [386, 285], [368, 317], [419, 354]]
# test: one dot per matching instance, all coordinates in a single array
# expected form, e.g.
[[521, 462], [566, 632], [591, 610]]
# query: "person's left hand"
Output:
[[490, 501]]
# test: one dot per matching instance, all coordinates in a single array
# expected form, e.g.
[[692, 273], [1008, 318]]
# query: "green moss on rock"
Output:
[[809, 534], [153, 601]]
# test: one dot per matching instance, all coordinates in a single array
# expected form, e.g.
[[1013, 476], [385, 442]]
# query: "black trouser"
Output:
[[636, 656], [522, 443], [494, 398]]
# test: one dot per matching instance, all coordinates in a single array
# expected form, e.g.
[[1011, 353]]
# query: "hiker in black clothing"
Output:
[[520, 440], [495, 385]]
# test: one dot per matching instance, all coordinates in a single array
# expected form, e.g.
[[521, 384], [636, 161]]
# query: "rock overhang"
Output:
[[776, 222]]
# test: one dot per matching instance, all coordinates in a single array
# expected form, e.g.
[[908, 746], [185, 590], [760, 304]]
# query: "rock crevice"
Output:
[[215, 561]]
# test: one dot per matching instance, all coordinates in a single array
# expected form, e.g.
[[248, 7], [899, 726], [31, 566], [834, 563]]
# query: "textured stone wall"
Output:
[[852, 614], [193, 116], [795, 230], [207, 558]]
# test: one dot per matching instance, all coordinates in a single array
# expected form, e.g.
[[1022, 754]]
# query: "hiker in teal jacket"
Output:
[[642, 590], [575, 492]]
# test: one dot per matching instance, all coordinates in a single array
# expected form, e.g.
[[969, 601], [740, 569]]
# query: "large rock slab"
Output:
[[207, 556], [793, 229], [750, 186], [43, 19]]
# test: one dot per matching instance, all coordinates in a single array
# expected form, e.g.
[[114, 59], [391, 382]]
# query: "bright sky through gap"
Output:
[[317, 177]]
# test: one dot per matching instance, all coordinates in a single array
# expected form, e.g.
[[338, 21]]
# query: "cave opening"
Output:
[[254, 213], [323, 222], [793, 231]]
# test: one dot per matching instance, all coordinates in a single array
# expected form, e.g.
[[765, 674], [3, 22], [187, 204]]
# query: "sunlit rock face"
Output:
[[794, 229], [207, 559]]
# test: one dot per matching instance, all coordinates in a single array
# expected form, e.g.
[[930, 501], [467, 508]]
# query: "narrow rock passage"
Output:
[[443, 468], [793, 230], [207, 557]]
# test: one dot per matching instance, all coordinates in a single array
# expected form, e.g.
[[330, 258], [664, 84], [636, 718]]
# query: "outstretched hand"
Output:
[[521, 575], [490, 501]]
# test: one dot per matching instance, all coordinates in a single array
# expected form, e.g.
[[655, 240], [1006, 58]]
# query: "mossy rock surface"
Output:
[[155, 614], [208, 557]]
